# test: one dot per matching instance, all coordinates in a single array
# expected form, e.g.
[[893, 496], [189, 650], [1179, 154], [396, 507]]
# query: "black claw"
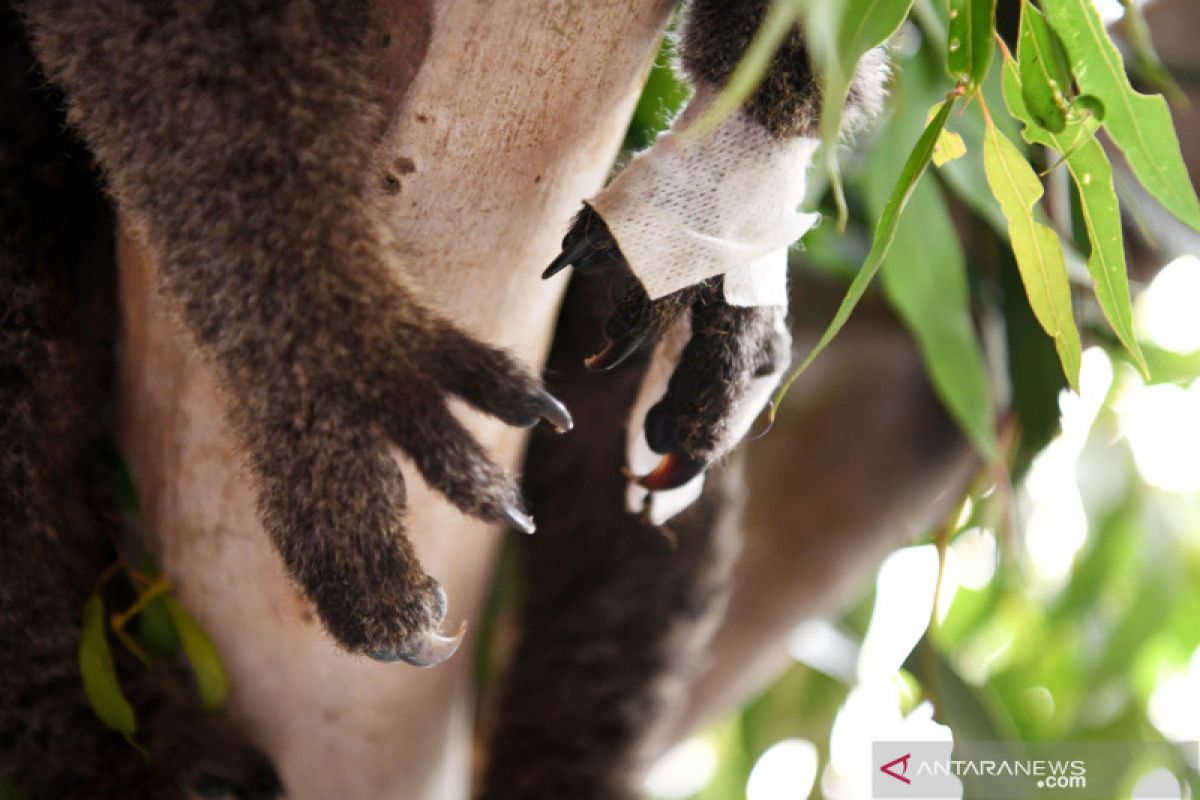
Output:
[[614, 352], [589, 244], [673, 471], [518, 519], [571, 253], [551, 409]]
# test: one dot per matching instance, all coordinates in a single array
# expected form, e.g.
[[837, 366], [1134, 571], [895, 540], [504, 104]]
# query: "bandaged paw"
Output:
[[751, 367], [725, 203]]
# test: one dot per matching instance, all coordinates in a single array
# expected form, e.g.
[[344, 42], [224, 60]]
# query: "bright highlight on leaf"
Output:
[[1036, 247], [1139, 124], [1092, 173], [211, 680], [99, 674]]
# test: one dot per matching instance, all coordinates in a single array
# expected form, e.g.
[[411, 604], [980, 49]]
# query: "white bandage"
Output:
[[691, 208]]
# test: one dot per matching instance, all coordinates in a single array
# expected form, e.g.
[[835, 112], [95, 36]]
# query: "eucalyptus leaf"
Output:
[[1037, 249], [1139, 124], [915, 166], [1045, 76], [1092, 173], [839, 33], [950, 147], [99, 674], [969, 47], [211, 680], [924, 278]]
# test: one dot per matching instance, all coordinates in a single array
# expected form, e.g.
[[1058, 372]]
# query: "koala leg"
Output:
[[56, 527], [616, 611], [700, 224], [237, 137]]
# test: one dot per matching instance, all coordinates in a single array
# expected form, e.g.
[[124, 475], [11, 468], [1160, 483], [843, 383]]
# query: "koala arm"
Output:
[[237, 136], [699, 225]]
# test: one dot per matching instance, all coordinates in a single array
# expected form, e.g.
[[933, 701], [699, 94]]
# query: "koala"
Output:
[[237, 137]]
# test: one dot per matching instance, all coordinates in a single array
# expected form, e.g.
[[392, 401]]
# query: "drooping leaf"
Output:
[[969, 46], [211, 680], [885, 232], [1038, 251], [924, 278], [1034, 371], [839, 33], [1093, 176], [1045, 76], [1139, 124], [99, 674]]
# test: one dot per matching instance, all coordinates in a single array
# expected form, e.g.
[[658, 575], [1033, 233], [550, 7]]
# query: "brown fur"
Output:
[[616, 613]]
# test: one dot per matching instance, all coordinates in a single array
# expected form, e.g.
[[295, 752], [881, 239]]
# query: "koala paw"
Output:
[[331, 491], [713, 368]]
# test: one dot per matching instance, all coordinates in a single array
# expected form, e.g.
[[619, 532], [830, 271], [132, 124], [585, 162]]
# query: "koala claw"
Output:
[[588, 245], [675, 469], [518, 519], [551, 409], [432, 648], [615, 352]]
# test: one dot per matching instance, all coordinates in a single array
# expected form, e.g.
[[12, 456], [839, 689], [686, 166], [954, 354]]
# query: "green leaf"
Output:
[[211, 680], [969, 47], [885, 232], [839, 33], [924, 278], [950, 147], [1139, 124], [1045, 76], [1039, 254], [99, 674], [1092, 173], [155, 631]]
